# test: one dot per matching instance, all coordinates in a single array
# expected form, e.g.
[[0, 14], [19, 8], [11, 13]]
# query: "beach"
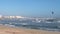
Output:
[[11, 30]]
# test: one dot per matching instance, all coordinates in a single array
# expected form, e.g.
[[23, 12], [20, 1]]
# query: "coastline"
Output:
[[13, 30]]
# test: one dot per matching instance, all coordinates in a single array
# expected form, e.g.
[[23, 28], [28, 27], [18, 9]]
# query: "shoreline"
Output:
[[13, 30]]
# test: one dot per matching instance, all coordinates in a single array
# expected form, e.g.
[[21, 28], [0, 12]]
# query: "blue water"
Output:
[[32, 25]]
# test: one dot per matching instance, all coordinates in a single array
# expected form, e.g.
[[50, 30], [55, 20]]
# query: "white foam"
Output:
[[24, 23], [59, 21], [9, 25], [48, 22]]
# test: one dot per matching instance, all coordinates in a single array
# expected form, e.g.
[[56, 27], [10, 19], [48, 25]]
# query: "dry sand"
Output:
[[10, 30]]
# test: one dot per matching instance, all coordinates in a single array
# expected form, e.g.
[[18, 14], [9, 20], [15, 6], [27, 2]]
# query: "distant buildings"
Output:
[[10, 17], [0, 16], [28, 19]]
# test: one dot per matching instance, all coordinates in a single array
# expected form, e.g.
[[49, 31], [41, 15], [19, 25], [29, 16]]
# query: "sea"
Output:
[[50, 26]]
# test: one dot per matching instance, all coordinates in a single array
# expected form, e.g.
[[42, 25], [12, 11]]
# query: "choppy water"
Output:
[[55, 26]]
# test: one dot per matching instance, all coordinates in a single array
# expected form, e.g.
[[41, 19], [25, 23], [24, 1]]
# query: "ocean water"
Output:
[[53, 26]]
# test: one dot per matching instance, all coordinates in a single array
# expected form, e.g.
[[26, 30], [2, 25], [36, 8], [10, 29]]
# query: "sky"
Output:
[[30, 8]]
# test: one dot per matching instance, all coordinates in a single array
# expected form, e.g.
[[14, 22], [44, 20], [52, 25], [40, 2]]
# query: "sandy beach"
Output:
[[10, 30]]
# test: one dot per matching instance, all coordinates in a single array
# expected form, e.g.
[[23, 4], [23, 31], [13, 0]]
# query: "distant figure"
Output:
[[52, 12]]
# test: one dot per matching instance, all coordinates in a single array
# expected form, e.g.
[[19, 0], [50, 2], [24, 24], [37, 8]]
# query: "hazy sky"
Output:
[[33, 8]]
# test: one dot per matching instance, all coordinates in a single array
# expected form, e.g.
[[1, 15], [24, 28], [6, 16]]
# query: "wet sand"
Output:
[[10, 30]]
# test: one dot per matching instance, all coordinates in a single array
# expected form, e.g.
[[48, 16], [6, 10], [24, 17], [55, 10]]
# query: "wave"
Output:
[[9, 25]]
